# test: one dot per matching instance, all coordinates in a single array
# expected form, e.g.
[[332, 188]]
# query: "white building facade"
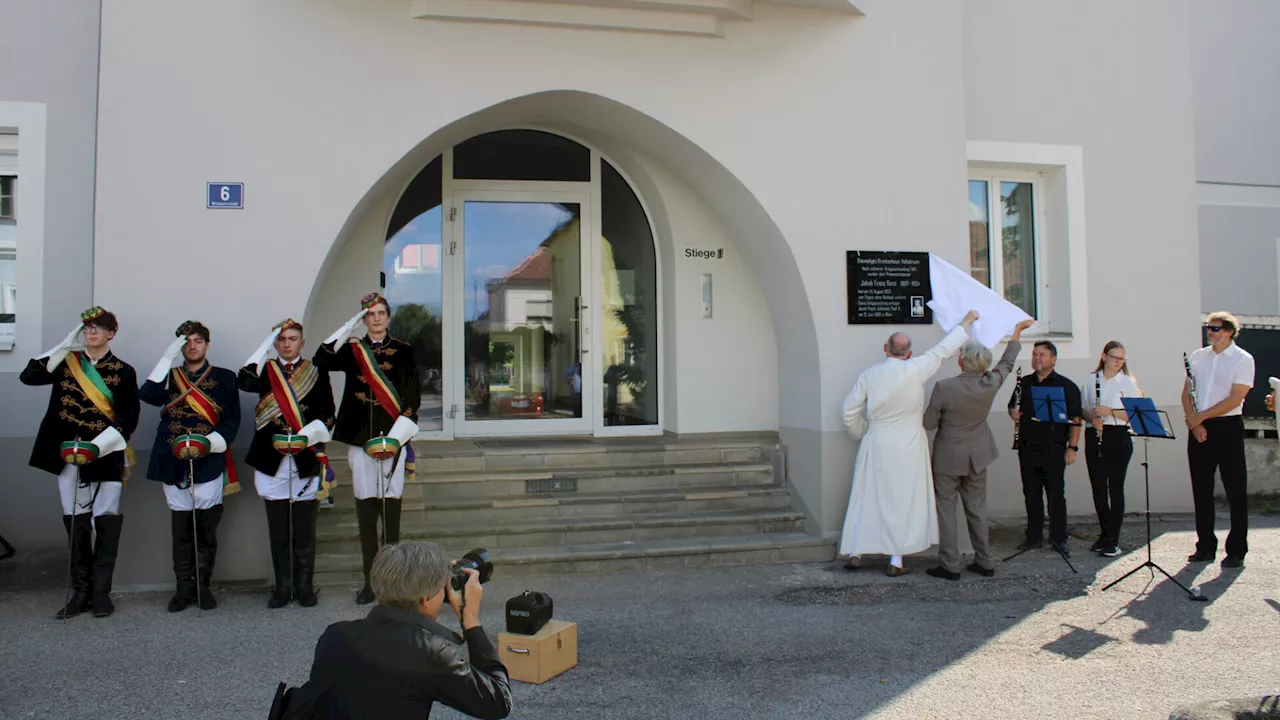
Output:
[[626, 218]]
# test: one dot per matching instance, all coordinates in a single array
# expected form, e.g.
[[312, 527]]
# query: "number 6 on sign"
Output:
[[225, 196]]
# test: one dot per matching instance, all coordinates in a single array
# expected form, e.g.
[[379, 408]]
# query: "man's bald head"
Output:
[[899, 346]]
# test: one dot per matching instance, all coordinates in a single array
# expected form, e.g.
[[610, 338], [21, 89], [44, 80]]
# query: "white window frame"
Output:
[[995, 236], [30, 121], [1059, 233]]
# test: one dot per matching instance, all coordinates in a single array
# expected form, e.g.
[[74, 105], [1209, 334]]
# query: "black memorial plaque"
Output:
[[888, 288]]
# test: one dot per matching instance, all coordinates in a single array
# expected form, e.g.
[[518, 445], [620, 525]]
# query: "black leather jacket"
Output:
[[395, 663]]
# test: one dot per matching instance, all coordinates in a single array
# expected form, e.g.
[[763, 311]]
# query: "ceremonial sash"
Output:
[[205, 407], [94, 388], [383, 390], [285, 394]]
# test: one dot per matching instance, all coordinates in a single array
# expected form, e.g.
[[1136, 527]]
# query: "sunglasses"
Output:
[[1216, 328]]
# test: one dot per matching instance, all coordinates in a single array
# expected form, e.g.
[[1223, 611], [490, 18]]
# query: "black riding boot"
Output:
[[80, 536], [367, 513], [304, 551], [207, 549], [184, 561], [104, 562], [278, 537]]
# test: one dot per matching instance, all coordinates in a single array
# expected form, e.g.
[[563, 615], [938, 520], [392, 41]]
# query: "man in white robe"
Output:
[[891, 505]]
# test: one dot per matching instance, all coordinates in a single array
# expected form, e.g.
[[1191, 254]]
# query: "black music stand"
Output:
[[1144, 422], [1049, 405]]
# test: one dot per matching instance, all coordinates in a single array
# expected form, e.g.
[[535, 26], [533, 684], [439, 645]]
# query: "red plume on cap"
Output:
[[287, 323], [370, 300]]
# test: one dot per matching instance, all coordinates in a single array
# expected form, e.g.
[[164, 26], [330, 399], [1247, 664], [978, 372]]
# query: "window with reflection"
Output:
[[8, 239], [629, 305], [1002, 254], [413, 267], [521, 155]]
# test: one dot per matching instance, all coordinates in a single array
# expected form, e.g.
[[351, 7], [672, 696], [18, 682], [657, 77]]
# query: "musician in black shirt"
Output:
[[1046, 449]]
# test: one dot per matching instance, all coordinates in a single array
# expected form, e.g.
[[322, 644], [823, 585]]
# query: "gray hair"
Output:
[[975, 357], [899, 344], [405, 573]]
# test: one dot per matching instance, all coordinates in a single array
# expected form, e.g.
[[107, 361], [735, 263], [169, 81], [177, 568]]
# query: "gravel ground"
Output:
[[787, 641]]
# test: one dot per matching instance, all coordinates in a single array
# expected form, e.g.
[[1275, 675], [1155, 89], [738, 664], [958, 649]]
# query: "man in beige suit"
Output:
[[963, 449]]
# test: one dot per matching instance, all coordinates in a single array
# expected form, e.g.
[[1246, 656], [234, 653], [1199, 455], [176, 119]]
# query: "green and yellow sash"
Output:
[[283, 401], [94, 388], [205, 407], [385, 392]]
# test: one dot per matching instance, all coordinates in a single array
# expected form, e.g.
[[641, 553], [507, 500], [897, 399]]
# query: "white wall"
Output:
[[728, 363]]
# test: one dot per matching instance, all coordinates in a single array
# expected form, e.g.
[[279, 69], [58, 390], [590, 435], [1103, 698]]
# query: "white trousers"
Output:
[[100, 498], [276, 487], [208, 494], [365, 476]]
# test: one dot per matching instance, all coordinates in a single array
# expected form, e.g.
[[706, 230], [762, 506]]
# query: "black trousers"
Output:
[[1107, 474], [1223, 451], [1043, 469]]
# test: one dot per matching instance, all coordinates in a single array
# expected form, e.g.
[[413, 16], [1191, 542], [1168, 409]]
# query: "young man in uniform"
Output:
[[199, 417], [379, 400], [294, 400], [94, 399]]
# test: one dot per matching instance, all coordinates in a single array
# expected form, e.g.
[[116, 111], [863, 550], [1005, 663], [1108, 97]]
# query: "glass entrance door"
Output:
[[523, 318]]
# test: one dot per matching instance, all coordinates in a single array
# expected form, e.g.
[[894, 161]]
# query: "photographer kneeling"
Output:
[[398, 660]]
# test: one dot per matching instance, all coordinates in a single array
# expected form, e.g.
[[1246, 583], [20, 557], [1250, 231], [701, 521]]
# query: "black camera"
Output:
[[477, 560]]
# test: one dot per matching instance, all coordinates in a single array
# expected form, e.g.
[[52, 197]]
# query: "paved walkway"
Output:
[[792, 641]]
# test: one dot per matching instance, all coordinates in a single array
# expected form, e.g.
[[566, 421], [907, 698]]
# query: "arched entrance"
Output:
[[521, 266]]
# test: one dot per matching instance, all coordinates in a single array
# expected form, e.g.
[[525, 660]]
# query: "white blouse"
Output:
[[1112, 390]]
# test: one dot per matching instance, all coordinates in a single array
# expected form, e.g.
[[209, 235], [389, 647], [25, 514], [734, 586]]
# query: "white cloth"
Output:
[[955, 293], [1215, 373], [365, 475], [891, 505], [208, 494], [1113, 390], [107, 501], [276, 487]]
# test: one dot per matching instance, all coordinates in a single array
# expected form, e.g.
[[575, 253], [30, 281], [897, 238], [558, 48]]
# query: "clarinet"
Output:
[[1191, 384], [1017, 403], [1097, 400]]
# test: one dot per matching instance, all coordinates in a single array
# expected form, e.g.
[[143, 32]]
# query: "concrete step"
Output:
[[501, 510], [478, 484], [339, 570], [495, 455], [344, 539]]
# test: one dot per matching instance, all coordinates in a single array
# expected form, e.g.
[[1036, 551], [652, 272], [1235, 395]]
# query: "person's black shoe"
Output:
[[1102, 543], [1231, 561], [78, 603], [1061, 549], [365, 596], [984, 572], [207, 600], [1201, 556], [182, 598], [1031, 544], [1112, 550], [942, 573]]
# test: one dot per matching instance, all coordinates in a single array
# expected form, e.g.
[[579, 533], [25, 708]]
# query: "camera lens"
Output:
[[477, 560]]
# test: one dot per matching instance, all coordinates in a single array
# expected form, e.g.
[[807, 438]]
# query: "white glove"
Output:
[[109, 441], [216, 442], [404, 430], [345, 331], [59, 352], [316, 433], [166, 361], [261, 352]]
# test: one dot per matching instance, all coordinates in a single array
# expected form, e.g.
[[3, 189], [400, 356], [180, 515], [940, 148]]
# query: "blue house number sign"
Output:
[[225, 196]]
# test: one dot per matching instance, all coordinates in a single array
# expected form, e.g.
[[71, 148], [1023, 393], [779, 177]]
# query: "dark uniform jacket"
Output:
[[181, 419], [396, 663], [361, 417], [1042, 436], [316, 404], [72, 415]]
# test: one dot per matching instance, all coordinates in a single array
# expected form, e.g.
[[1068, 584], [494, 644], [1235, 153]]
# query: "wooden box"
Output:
[[538, 658]]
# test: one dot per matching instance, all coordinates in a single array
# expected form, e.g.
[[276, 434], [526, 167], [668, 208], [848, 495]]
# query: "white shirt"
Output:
[[1215, 373], [1120, 386]]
